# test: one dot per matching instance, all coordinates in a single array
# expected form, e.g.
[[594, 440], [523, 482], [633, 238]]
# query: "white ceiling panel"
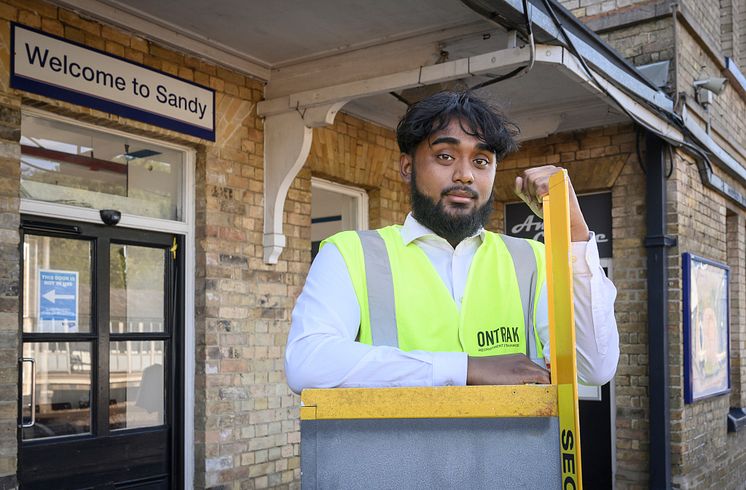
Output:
[[279, 32]]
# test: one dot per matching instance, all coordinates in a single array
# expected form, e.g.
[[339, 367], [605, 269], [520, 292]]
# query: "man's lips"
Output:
[[459, 196]]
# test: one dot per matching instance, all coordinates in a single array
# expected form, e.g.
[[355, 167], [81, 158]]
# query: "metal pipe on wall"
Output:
[[656, 243]]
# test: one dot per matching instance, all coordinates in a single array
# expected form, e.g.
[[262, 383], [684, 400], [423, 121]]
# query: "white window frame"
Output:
[[184, 227], [359, 194]]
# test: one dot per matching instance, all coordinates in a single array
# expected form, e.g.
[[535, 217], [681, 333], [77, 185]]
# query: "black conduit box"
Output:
[[736, 419]]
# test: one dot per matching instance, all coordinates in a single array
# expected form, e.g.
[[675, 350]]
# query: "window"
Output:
[[63, 163]]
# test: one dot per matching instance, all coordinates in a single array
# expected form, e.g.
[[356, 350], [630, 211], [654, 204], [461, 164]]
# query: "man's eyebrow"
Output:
[[485, 147], [452, 140]]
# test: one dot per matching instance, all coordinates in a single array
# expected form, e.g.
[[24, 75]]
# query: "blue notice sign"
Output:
[[58, 301]]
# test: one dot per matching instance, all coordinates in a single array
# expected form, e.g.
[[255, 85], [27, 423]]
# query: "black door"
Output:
[[100, 386], [596, 440]]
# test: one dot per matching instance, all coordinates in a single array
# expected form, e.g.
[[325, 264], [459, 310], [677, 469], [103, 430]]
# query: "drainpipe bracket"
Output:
[[660, 241]]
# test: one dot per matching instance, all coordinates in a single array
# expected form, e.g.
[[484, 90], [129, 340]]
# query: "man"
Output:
[[439, 300]]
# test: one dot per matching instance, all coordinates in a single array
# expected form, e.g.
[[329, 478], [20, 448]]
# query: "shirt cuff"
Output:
[[449, 368], [585, 256]]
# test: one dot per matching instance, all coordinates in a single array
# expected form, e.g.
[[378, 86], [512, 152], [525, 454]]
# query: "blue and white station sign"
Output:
[[58, 301], [61, 69]]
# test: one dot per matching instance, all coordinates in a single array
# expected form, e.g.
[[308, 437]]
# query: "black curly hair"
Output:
[[478, 118]]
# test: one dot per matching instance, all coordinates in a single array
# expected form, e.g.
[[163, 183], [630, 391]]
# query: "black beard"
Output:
[[452, 227]]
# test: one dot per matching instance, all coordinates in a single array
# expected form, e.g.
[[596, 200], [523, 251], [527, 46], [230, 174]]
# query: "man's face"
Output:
[[451, 177]]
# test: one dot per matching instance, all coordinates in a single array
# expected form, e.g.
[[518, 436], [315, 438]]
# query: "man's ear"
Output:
[[405, 167]]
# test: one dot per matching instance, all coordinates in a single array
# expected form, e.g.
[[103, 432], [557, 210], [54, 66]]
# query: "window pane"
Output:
[[137, 288], [68, 164], [136, 390], [56, 285], [63, 389]]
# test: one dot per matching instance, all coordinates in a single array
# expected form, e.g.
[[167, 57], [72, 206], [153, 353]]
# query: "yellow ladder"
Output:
[[562, 324]]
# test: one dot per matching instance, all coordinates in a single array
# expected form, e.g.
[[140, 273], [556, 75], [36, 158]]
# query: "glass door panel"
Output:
[[136, 384], [137, 278], [56, 389], [56, 285]]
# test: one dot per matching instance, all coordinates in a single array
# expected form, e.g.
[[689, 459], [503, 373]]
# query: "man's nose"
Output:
[[463, 172]]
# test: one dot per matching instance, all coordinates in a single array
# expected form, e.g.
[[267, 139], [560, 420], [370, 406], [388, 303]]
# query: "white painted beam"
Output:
[[395, 56], [353, 90], [497, 62]]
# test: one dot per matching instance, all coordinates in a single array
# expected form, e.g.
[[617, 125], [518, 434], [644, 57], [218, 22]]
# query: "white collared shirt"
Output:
[[322, 352]]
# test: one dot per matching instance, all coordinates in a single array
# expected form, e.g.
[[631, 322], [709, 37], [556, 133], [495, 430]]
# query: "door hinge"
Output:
[[173, 249]]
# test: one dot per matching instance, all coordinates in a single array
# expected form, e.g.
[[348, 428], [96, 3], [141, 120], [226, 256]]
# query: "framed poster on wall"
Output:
[[706, 328]]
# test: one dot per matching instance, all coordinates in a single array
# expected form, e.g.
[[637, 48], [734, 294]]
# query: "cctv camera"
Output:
[[706, 89], [110, 217], [716, 85]]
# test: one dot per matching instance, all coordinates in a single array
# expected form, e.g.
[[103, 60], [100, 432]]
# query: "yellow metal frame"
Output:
[[562, 324], [438, 402]]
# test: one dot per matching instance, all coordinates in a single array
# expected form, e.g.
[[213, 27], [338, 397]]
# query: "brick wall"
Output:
[[708, 16], [630, 275], [738, 18], [705, 455], [10, 169], [643, 43], [728, 111], [586, 8], [729, 30]]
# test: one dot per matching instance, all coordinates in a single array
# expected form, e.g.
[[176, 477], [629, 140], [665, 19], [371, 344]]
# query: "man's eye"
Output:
[[481, 162], [444, 156]]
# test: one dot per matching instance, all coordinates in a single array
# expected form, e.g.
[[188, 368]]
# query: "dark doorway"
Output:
[[596, 442]]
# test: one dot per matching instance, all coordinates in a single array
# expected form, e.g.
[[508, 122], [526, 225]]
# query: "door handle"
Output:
[[33, 392]]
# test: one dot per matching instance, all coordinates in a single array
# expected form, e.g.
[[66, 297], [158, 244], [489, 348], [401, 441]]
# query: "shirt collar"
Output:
[[414, 230]]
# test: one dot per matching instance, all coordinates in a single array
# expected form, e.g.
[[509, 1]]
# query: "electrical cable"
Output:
[[670, 161], [521, 70], [400, 98], [638, 133], [669, 151], [676, 120]]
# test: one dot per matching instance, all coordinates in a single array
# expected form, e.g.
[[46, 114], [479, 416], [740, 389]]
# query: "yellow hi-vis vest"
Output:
[[404, 302]]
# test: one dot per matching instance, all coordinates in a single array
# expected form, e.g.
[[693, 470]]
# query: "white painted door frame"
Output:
[[359, 194]]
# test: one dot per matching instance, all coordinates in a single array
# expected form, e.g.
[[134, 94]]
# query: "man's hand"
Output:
[[533, 184], [511, 369]]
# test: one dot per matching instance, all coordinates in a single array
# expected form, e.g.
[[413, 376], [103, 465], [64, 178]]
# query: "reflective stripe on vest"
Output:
[[380, 288], [524, 262]]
